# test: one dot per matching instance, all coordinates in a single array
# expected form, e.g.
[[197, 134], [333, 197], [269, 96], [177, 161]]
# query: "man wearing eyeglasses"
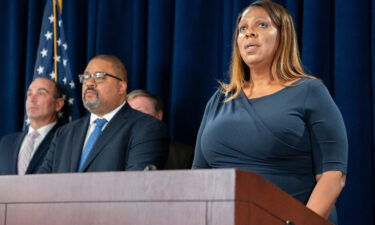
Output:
[[113, 137]]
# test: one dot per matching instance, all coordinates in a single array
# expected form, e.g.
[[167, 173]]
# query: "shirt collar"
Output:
[[43, 131], [107, 116]]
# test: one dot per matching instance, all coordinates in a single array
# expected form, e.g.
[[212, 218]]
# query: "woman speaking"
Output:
[[273, 118]]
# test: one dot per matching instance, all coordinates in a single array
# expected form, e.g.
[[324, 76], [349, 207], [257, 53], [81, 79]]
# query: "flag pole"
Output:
[[60, 2], [54, 40]]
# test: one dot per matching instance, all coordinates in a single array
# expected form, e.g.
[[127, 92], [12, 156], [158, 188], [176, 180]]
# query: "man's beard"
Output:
[[91, 105]]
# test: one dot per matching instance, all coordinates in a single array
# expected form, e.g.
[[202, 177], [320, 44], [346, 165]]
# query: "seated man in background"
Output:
[[180, 155], [113, 137], [23, 152]]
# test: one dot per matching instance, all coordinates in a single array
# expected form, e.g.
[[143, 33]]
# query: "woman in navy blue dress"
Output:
[[272, 118]]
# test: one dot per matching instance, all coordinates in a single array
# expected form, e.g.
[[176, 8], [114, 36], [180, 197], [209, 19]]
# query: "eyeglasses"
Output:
[[98, 77]]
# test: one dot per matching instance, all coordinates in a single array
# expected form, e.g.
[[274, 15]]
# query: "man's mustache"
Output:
[[91, 89]]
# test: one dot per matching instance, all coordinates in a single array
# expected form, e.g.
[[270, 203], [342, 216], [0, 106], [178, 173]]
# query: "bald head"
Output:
[[117, 65]]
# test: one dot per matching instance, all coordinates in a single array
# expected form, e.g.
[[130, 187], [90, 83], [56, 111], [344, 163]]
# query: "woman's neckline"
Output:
[[274, 93]]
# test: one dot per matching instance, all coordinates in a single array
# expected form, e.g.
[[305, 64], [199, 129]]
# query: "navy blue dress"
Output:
[[287, 137]]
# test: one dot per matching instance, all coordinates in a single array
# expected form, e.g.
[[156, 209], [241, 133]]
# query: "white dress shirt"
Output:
[[43, 131], [107, 116]]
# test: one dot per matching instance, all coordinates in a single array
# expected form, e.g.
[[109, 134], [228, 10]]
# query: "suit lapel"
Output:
[[113, 126], [78, 140], [41, 151], [18, 144]]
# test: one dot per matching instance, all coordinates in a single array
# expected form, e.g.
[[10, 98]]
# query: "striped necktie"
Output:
[[26, 152]]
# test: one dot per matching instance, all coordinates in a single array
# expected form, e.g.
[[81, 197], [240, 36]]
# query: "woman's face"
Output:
[[258, 37]]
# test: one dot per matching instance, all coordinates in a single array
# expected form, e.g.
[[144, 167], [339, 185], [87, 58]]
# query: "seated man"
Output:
[[113, 137], [23, 152], [180, 155]]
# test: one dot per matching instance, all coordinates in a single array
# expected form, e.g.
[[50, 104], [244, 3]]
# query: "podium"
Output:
[[175, 197]]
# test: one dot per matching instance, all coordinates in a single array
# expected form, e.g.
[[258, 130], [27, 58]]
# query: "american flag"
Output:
[[44, 66]]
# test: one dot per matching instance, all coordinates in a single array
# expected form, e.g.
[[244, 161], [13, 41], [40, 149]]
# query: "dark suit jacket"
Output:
[[10, 146], [131, 141], [180, 156]]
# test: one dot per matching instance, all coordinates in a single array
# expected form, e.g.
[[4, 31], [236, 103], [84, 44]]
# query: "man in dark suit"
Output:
[[180, 155], [23, 152], [113, 137]]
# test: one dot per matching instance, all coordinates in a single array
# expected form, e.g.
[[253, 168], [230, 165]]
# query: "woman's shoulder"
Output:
[[217, 97], [316, 91], [310, 83]]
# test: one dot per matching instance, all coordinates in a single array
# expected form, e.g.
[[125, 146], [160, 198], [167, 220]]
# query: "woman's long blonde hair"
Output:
[[286, 65]]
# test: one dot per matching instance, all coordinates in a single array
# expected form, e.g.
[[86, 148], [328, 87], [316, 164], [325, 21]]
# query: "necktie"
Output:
[[26, 152], [91, 141]]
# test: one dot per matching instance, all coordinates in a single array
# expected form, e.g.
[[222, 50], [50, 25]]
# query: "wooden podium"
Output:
[[184, 197]]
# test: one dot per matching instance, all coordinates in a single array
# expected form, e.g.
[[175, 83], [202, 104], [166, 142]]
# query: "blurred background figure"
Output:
[[180, 155]]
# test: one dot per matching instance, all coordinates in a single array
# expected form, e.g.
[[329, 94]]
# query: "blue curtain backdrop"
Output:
[[178, 49]]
